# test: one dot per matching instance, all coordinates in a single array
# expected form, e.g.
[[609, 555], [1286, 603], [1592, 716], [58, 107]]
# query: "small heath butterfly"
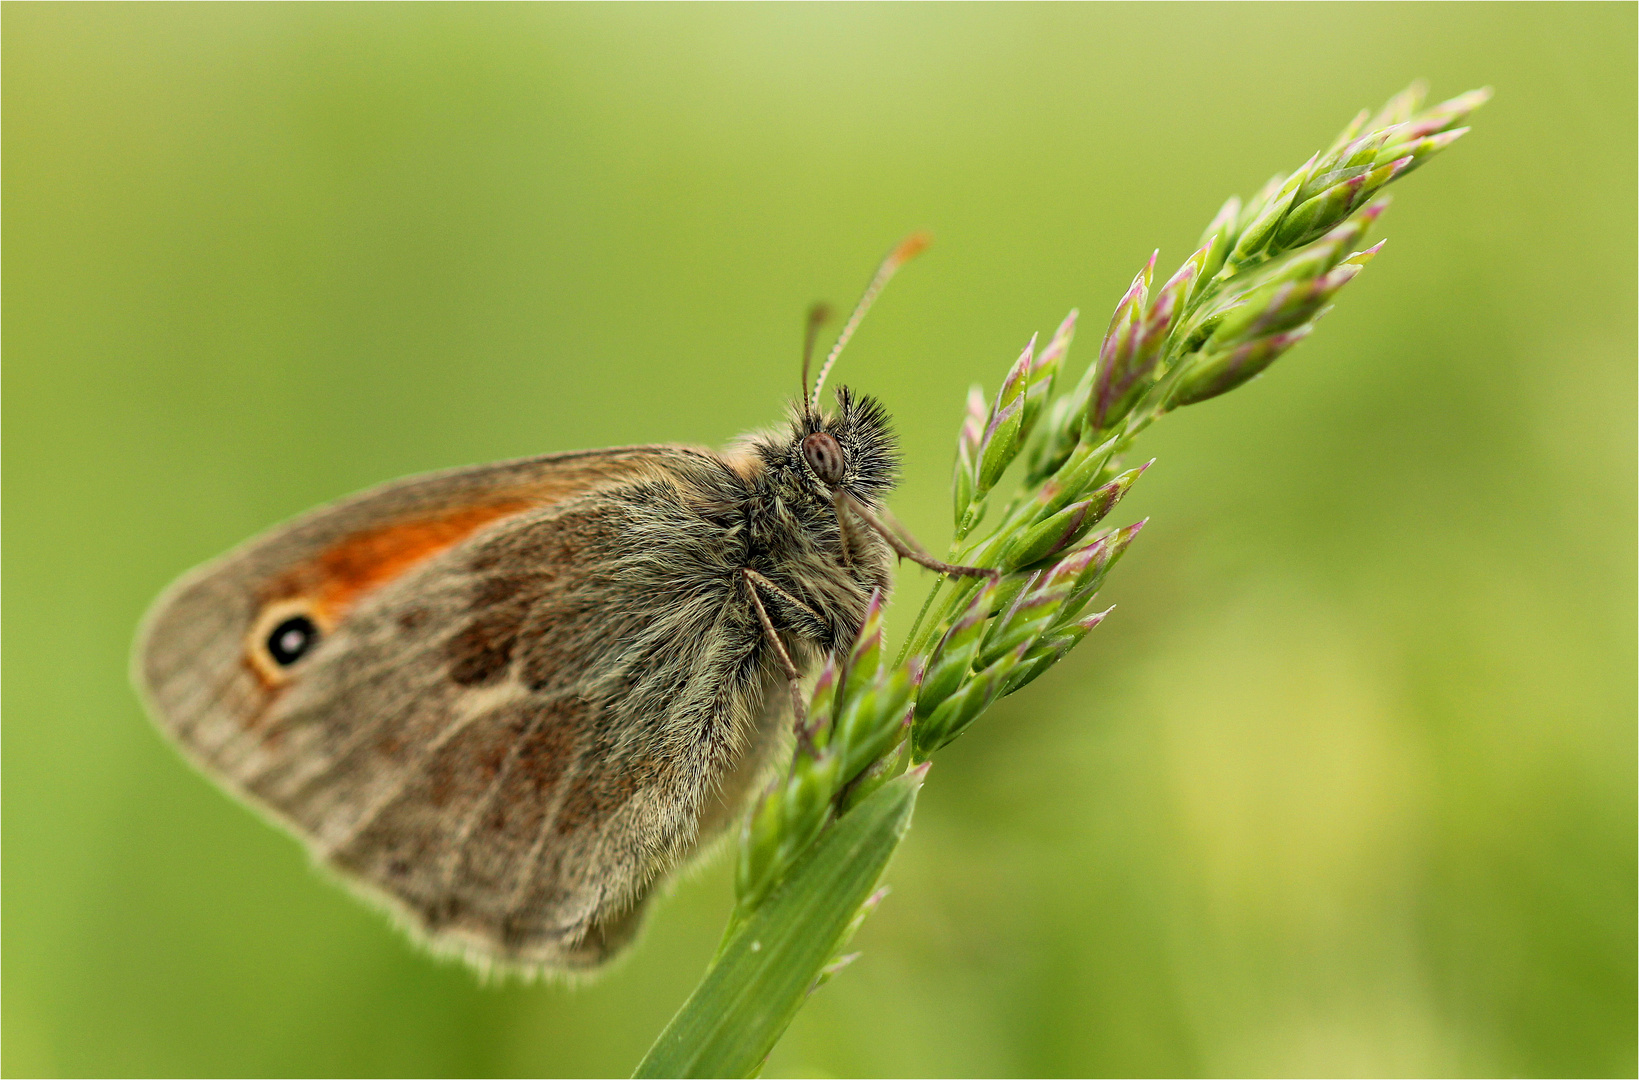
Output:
[[507, 700]]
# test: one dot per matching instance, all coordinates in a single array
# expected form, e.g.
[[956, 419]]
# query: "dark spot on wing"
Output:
[[480, 652]]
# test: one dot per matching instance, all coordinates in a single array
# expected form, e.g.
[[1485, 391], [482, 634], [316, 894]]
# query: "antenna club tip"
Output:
[[910, 247]]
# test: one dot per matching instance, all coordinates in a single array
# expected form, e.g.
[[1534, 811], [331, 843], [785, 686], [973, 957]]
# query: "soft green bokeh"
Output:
[[1344, 786]]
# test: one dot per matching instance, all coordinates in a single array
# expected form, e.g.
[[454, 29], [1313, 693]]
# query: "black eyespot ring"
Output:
[[824, 455], [291, 639]]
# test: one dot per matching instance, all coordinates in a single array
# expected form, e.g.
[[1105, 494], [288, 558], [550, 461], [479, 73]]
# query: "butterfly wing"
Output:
[[515, 692]]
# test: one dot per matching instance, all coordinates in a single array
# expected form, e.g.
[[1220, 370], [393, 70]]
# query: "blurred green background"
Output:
[[1345, 786]]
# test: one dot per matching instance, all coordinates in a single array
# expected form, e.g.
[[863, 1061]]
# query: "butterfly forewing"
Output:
[[517, 689]]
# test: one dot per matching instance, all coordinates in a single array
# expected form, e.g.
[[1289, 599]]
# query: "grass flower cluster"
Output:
[[815, 844]]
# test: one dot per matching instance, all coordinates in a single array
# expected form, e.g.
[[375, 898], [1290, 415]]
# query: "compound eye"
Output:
[[824, 456]]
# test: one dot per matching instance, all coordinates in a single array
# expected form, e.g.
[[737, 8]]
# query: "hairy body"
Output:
[[507, 700]]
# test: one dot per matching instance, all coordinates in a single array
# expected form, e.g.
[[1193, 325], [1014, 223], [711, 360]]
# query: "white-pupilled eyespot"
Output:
[[290, 639], [282, 634], [824, 455]]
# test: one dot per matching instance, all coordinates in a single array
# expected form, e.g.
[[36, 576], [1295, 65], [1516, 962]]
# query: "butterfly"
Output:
[[505, 701]]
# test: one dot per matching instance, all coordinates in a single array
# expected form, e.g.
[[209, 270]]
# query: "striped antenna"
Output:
[[818, 316], [907, 250]]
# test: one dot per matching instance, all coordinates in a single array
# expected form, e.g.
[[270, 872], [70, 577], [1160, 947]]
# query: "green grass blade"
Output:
[[765, 969]]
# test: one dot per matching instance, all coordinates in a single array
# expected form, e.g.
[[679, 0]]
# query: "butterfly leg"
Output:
[[902, 543], [756, 584]]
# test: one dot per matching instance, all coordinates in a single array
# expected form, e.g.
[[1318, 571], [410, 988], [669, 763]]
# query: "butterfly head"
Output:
[[853, 448]]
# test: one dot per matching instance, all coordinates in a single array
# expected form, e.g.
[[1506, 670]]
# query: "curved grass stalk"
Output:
[[815, 844]]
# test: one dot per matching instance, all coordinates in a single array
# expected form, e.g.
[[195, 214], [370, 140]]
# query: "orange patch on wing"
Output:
[[368, 559]]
